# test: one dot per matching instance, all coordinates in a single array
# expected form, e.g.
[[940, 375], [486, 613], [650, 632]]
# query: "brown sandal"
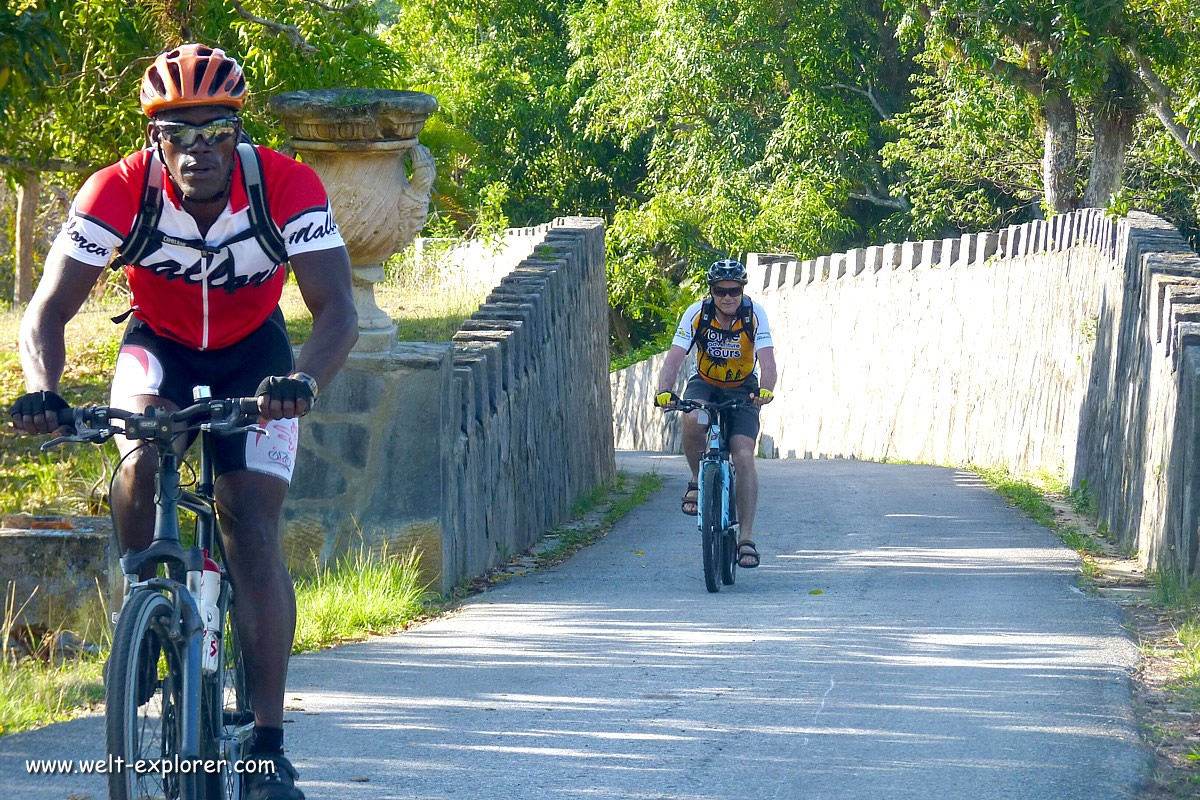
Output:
[[747, 550], [691, 496]]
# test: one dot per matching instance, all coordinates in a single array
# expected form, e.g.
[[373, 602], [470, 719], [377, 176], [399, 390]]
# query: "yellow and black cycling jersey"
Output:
[[725, 354]]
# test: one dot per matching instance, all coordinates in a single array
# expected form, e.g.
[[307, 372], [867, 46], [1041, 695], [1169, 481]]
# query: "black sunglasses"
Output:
[[183, 134], [732, 291]]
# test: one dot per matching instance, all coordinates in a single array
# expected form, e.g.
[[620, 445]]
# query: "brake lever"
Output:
[[229, 427], [92, 436]]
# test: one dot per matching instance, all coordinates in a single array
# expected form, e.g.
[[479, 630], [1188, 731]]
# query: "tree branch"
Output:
[[48, 165], [868, 93], [331, 9], [292, 31], [887, 202], [1160, 102]]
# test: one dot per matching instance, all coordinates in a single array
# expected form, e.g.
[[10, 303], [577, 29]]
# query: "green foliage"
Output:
[[969, 152]]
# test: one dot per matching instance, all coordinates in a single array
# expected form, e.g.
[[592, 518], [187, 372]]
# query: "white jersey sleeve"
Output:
[[762, 329], [685, 332]]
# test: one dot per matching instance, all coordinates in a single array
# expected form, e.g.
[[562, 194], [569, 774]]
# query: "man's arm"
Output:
[[64, 287], [670, 370], [766, 372], [324, 280]]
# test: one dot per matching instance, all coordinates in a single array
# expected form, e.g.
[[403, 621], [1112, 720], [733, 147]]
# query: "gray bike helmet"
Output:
[[727, 269]]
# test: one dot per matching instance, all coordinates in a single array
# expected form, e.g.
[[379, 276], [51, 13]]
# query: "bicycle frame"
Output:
[[167, 548]]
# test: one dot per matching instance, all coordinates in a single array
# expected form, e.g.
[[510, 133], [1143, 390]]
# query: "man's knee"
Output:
[[742, 453]]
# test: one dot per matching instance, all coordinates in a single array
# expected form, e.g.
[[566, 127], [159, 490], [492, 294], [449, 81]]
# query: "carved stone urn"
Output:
[[363, 144]]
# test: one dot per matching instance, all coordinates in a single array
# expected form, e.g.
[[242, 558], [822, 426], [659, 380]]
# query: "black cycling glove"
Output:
[[285, 388], [34, 403]]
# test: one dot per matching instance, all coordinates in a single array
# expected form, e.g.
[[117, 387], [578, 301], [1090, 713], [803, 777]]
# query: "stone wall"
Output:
[[1066, 344], [468, 450]]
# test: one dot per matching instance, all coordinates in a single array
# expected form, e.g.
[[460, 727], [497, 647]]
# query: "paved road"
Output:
[[948, 655]]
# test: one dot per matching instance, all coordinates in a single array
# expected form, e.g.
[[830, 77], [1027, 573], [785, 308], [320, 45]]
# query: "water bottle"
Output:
[[210, 591]]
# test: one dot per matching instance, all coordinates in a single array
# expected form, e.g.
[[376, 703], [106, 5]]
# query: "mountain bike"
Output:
[[716, 503], [176, 719]]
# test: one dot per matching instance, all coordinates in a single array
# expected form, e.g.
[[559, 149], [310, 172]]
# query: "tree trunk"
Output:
[[28, 195], [1114, 132], [1058, 163]]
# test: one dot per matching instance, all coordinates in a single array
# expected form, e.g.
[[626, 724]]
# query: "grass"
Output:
[[1029, 494], [367, 592], [1181, 601], [34, 693], [594, 513]]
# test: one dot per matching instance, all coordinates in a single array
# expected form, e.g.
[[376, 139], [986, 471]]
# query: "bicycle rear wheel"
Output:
[[710, 524], [228, 718], [143, 700]]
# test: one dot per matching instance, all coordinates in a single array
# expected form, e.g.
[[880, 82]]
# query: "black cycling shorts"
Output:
[[742, 421], [149, 364]]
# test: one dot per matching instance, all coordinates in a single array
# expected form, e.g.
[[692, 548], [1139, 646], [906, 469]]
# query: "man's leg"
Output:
[[132, 497], [741, 448], [249, 505]]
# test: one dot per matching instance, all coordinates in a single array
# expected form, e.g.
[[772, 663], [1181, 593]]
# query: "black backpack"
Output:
[[708, 312], [145, 237]]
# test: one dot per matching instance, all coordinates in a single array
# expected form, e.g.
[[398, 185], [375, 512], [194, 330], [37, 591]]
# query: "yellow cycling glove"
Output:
[[664, 399], [766, 395]]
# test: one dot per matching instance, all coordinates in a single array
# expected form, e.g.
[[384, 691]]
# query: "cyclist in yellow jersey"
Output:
[[735, 357]]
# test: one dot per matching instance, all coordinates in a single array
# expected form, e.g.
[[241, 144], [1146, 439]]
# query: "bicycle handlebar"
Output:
[[93, 424], [712, 408]]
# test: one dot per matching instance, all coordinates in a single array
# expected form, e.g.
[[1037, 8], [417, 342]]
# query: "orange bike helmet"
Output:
[[192, 75]]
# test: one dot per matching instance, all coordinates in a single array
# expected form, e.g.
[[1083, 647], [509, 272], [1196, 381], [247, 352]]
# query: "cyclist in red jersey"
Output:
[[206, 282]]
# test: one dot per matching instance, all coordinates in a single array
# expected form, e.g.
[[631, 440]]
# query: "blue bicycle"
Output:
[[717, 499]]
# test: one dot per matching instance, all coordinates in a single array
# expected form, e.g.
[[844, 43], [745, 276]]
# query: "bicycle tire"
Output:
[[729, 540], [142, 715], [710, 525], [228, 718]]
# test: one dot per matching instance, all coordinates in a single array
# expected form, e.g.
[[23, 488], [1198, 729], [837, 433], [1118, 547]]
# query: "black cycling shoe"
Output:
[[279, 784]]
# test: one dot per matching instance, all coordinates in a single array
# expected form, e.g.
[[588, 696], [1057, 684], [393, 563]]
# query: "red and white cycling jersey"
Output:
[[203, 301]]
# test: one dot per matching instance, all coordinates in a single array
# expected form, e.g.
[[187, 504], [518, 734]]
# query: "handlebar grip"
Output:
[[248, 406]]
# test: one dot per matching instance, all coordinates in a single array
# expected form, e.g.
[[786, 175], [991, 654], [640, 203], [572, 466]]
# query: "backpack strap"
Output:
[[269, 237], [746, 315], [141, 240], [707, 310]]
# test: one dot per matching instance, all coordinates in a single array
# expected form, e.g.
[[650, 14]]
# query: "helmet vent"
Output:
[[157, 82], [223, 70], [176, 77], [204, 51], [198, 75]]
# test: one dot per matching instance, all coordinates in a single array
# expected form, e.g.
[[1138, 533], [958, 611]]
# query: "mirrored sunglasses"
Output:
[[182, 134], [732, 291]]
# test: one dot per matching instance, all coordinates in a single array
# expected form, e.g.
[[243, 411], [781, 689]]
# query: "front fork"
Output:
[[725, 478]]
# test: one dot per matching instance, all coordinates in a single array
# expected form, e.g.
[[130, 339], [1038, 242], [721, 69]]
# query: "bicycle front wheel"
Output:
[[710, 524], [143, 701]]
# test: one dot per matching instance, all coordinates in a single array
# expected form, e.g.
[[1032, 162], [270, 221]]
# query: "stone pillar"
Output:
[[363, 142]]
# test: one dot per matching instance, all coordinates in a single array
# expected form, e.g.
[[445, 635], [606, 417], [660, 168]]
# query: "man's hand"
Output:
[[666, 400], [37, 412], [762, 397], [286, 397]]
